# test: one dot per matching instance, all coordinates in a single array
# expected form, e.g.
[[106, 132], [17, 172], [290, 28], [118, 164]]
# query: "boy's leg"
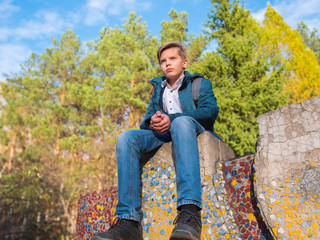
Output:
[[184, 132], [130, 146]]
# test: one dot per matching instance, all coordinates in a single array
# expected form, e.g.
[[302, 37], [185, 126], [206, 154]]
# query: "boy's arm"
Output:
[[207, 110]]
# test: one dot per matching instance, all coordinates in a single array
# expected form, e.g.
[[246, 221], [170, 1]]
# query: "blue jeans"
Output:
[[131, 144]]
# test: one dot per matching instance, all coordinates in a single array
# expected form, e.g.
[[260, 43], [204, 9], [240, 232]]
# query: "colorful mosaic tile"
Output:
[[95, 212], [229, 205], [242, 200], [292, 203], [159, 198], [285, 188]]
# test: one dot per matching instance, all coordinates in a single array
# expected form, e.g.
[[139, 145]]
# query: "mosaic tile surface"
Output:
[[229, 207], [239, 175], [287, 168], [95, 212], [159, 197], [293, 204]]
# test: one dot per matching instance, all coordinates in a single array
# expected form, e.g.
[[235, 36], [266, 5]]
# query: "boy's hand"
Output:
[[160, 122], [156, 118]]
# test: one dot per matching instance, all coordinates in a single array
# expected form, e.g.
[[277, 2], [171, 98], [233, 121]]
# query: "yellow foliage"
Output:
[[302, 70]]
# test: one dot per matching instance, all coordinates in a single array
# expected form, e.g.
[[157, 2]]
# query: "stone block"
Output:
[[229, 204], [159, 192], [288, 170]]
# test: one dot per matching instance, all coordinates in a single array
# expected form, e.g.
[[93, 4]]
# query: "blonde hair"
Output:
[[181, 49]]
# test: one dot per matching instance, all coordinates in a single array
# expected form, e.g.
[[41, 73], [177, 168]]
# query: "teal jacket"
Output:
[[205, 113]]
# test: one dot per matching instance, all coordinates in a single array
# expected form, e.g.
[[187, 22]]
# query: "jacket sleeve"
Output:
[[207, 110], [151, 110]]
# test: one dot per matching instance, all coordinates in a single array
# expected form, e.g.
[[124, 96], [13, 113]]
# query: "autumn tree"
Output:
[[310, 38], [61, 115], [301, 67]]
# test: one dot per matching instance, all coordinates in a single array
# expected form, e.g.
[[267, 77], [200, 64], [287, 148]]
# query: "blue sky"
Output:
[[27, 26]]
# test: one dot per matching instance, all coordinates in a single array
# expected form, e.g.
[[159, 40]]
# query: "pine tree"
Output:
[[119, 64], [176, 30], [48, 141], [244, 84]]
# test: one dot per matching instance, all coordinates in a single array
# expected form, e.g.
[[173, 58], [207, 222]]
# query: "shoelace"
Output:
[[187, 217]]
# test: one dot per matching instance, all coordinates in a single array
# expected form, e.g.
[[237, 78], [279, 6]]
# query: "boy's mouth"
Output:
[[169, 69]]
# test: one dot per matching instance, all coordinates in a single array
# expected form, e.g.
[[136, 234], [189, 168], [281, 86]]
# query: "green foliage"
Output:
[[30, 204], [176, 30], [64, 111], [242, 79]]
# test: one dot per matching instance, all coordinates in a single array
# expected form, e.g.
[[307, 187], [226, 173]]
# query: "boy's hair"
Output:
[[181, 49]]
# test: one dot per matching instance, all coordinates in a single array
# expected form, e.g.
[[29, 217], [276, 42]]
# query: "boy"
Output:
[[171, 116]]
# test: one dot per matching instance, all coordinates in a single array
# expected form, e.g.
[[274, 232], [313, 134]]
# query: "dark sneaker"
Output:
[[188, 226], [121, 229]]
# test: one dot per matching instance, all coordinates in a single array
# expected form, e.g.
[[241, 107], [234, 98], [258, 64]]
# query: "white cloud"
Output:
[[97, 11], [7, 9], [5, 33], [45, 24], [98, 4], [39, 28], [259, 15], [11, 56], [300, 10], [295, 11]]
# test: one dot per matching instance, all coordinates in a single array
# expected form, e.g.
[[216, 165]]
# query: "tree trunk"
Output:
[[57, 148], [12, 150], [131, 115]]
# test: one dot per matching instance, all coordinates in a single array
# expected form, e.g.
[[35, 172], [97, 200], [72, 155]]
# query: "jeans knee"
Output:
[[183, 122], [121, 138], [124, 139]]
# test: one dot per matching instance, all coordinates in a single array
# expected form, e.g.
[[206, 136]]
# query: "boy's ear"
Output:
[[185, 63]]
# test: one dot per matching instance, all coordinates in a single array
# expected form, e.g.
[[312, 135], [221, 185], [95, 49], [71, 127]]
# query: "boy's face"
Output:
[[172, 64]]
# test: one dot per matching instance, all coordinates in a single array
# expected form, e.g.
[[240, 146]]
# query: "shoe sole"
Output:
[[99, 238], [182, 235]]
